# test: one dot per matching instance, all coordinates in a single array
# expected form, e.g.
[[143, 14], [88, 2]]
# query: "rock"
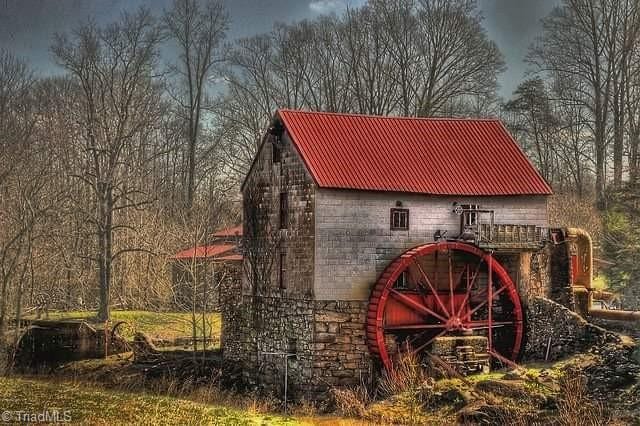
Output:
[[482, 413], [512, 375], [554, 332], [452, 397], [325, 338], [505, 388]]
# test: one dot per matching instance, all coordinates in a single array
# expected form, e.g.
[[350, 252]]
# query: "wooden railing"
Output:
[[510, 236]]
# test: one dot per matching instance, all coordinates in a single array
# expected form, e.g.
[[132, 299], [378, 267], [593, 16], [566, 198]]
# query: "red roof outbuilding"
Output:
[[235, 231], [206, 252], [433, 156]]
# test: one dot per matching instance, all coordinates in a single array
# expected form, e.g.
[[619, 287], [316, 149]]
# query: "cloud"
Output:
[[323, 7]]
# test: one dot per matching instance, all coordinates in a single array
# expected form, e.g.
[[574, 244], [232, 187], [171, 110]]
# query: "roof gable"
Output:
[[418, 155]]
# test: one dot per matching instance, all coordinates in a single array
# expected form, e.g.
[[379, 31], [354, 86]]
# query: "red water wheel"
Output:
[[439, 289]]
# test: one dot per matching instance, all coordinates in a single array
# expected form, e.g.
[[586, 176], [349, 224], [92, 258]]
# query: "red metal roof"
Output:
[[230, 258], [419, 155], [203, 252], [230, 232]]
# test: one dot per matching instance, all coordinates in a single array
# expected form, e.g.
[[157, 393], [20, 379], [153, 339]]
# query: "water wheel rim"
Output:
[[383, 291]]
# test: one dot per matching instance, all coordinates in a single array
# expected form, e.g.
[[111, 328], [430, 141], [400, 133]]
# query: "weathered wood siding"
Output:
[[354, 243], [297, 240]]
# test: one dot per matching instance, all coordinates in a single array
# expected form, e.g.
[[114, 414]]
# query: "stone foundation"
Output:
[[325, 342], [568, 331], [341, 355]]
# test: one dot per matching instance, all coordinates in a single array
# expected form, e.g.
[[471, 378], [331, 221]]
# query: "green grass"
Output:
[[95, 406], [159, 325]]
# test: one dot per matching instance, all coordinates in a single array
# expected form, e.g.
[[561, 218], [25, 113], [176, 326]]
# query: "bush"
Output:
[[576, 407], [351, 402], [407, 375]]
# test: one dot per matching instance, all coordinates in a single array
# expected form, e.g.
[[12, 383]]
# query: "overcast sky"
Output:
[[26, 26]]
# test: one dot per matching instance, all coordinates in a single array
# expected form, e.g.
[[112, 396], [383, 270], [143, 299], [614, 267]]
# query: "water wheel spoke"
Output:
[[474, 325], [409, 302], [432, 288], [470, 283], [420, 314], [484, 302], [428, 342]]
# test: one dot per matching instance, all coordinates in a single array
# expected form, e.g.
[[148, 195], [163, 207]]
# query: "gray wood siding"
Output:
[[354, 243]]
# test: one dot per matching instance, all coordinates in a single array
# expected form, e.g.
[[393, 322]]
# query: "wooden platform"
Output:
[[510, 237]]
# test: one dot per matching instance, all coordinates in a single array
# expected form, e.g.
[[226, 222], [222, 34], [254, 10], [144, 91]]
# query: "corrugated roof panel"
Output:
[[204, 252], [419, 155]]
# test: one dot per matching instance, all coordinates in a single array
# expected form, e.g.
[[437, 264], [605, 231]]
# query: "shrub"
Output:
[[576, 407], [351, 402], [407, 375]]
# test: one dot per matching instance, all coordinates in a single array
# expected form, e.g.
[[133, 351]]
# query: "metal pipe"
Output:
[[614, 314]]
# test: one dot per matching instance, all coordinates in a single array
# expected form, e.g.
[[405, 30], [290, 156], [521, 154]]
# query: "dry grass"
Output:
[[407, 375], [576, 407], [351, 402], [406, 389]]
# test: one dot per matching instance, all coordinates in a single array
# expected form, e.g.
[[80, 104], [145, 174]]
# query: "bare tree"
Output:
[[409, 57], [199, 31], [536, 124], [457, 58], [119, 101], [24, 184], [579, 44]]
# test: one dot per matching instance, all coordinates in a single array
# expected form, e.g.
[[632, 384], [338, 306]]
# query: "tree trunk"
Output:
[[191, 180], [618, 136], [105, 248], [634, 157], [600, 152]]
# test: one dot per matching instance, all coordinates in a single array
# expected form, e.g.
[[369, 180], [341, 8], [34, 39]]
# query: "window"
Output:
[[399, 219], [283, 270], [284, 210], [402, 282], [276, 154], [469, 217]]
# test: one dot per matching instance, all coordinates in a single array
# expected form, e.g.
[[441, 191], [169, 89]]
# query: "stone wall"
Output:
[[341, 355], [354, 243], [328, 339], [568, 331], [236, 335], [263, 330], [530, 272]]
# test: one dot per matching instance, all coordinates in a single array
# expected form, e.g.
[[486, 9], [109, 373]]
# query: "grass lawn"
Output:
[[159, 325], [96, 406]]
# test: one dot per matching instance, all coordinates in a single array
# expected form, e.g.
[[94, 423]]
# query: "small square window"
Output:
[[284, 210], [283, 270], [399, 219], [469, 216]]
